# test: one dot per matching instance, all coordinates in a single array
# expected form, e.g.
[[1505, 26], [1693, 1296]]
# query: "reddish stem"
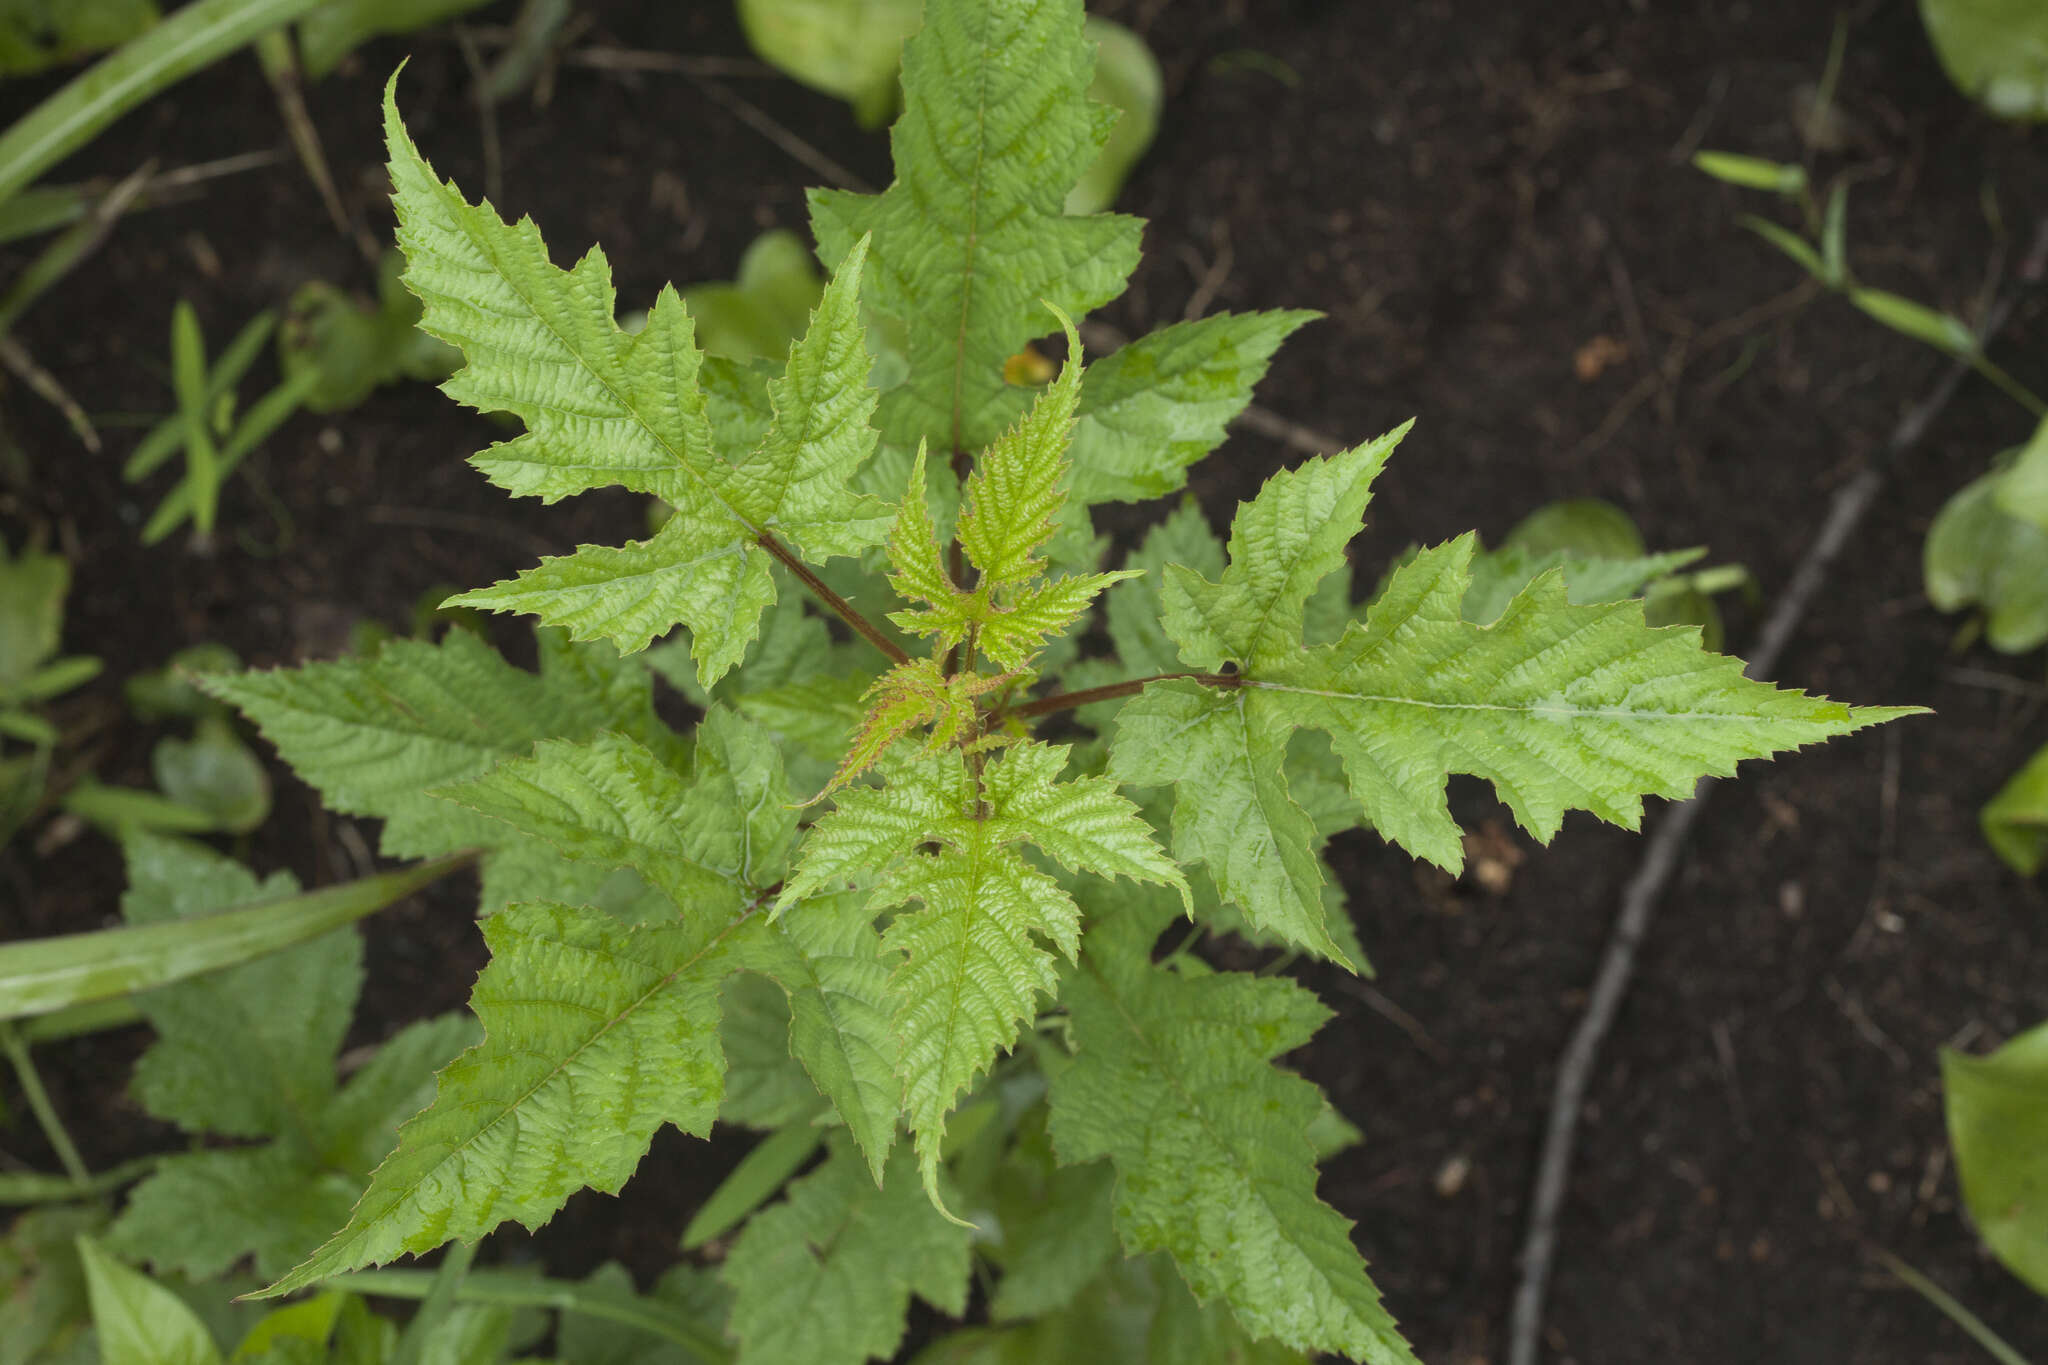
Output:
[[867, 629]]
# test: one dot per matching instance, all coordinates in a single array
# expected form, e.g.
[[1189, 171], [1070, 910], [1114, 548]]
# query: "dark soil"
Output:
[[1473, 190]]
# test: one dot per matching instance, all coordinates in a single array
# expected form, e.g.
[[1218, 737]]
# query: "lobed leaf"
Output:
[[1171, 1081], [825, 1277], [971, 238], [603, 406]]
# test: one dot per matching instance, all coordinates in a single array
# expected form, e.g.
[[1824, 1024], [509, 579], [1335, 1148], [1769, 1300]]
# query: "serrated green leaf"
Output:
[[603, 406], [1232, 810], [825, 1277], [973, 963], [765, 1086], [1016, 489], [1157, 405], [1563, 707], [1171, 1081], [595, 1035], [972, 234], [249, 1051], [826, 954], [1282, 543], [270, 1203], [374, 735], [610, 801]]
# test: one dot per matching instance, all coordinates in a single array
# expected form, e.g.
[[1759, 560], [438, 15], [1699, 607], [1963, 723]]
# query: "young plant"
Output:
[[207, 429], [33, 586], [934, 946]]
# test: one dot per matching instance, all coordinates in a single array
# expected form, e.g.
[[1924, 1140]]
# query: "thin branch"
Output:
[[1067, 701], [1661, 851], [844, 609]]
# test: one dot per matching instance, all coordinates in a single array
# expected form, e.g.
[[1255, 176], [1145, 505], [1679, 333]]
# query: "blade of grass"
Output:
[[1994, 1345], [167, 436], [33, 1187], [667, 1321], [264, 416], [39, 1104], [49, 974], [188, 378], [188, 41], [64, 255]]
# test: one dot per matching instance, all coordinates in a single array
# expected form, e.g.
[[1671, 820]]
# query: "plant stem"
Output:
[[488, 1287], [2013, 389], [1959, 1315], [866, 629], [1067, 701], [39, 1104]]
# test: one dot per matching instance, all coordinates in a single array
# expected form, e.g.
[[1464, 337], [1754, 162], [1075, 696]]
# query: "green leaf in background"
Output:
[[33, 586], [353, 349], [44, 1309], [2023, 492], [1996, 51], [338, 27], [35, 34], [825, 1276], [138, 1321], [190, 40], [1978, 556], [248, 1052], [765, 307], [215, 773], [971, 240], [1751, 172], [1138, 1312], [848, 48], [38, 976], [1943, 331], [1127, 79], [2015, 821], [1173, 1082], [1998, 1125]]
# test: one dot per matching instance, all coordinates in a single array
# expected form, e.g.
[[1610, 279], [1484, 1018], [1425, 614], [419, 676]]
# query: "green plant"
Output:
[[36, 34], [214, 438], [956, 933], [1996, 51], [1987, 550], [1998, 1125], [852, 49], [33, 586]]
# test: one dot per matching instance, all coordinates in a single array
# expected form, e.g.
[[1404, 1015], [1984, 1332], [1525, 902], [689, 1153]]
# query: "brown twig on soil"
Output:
[[1661, 851]]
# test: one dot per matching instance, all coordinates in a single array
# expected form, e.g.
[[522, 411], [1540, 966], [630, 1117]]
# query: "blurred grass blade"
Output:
[[1994, 1345], [63, 256], [264, 416], [1834, 239], [34, 1187], [188, 41], [753, 1182], [57, 973], [1791, 243], [1751, 172], [188, 377], [98, 1017], [652, 1315], [1943, 331], [165, 438]]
